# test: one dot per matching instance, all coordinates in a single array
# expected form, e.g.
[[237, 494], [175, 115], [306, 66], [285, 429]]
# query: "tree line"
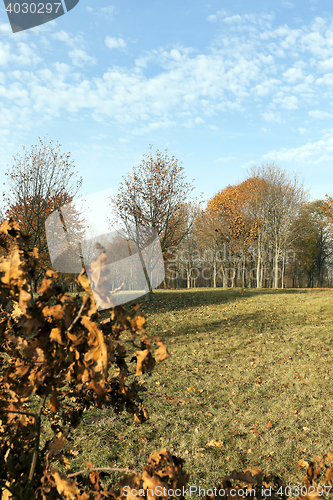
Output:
[[262, 232]]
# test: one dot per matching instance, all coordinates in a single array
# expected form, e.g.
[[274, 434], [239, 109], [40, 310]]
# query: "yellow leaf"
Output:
[[214, 443], [302, 464]]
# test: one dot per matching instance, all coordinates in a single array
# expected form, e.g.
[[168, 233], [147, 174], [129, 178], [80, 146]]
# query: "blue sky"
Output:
[[221, 85]]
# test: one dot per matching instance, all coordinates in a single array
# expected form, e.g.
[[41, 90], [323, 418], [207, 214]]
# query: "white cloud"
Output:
[[270, 116], [5, 29], [212, 18], [301, 130], [287, 102], [249, 64], [319, 114], [266, 87], [108, 12], [5, 49], [80, 57], [115, 43], [293, 74], [319, 24], [219, 15], [326, 65], [312, 152], [234, 19], [192, 122]]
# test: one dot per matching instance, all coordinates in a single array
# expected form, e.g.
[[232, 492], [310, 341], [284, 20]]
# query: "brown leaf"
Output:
[[54, 402], [57, 444], [145, 362], [24, 298], [214, 443], [302, 464], [66, 486], [97, 354], [161, 353], [55, 335]]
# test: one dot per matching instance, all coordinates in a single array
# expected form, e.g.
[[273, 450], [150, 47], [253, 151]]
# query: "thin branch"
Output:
[[110, 469], [78, 316], [36, 448], [19, 412], [9, 489]]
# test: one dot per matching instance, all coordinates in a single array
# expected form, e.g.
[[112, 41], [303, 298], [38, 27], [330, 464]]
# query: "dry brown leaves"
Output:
[[45, 343]]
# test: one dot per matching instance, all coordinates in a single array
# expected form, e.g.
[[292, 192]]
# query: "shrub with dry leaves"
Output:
[[59, 350]]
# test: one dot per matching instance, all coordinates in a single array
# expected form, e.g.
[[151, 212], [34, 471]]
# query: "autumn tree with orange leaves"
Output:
[[39, 181], [235, 226]]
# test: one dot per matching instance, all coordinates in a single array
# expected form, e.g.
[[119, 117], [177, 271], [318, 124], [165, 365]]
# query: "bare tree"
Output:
[[278, 201], [39, 181], [154, 195]]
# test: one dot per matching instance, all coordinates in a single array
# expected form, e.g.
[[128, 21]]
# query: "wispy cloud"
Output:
[[313, 152], [319, 114], [80, 57], [115, 43], [251, 62]]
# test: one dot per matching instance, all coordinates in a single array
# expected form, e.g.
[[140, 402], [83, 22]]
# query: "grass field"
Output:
[[253, 372]]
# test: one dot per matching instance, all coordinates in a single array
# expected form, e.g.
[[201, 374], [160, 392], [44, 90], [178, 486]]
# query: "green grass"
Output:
[[237, 362]]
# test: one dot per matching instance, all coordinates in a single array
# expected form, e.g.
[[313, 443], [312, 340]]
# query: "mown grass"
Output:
[[251, 370]]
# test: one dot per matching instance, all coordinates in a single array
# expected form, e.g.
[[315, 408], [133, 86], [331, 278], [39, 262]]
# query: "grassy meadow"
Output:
[[251, 371]]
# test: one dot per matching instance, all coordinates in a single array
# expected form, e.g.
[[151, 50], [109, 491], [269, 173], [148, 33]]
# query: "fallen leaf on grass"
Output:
[[214, 443], [269, 425], [161, 353], [302, 464]]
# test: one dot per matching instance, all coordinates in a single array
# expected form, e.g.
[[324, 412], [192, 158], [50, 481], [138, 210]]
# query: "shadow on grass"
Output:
[[164, 301]]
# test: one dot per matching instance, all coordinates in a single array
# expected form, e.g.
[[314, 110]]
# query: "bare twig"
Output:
[[110, 469], [36, 448], [19, 412], [117, 289], [78, 315]]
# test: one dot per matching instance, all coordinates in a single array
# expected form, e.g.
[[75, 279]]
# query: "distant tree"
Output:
[[154, 195], [235, 225], [39, 181], [278, 201]]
